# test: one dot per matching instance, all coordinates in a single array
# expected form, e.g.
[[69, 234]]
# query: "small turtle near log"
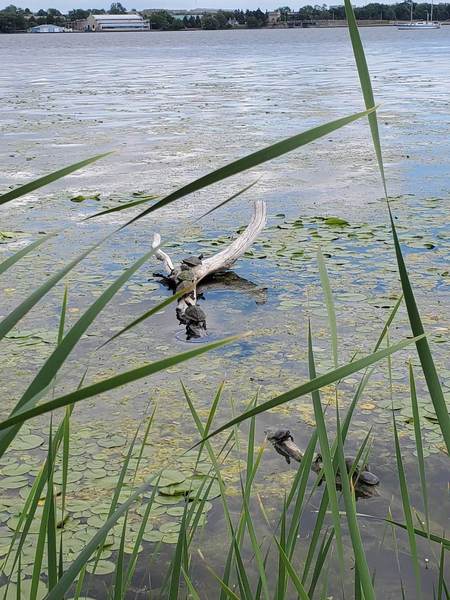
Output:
[[363, 479], [195, 320]]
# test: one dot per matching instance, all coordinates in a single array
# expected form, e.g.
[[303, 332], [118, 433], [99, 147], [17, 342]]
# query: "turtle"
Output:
[[362, 475], [277, 438], [195, 314], [368, 478], [186, 275], [195, 320], [279, 435], [192, 261]]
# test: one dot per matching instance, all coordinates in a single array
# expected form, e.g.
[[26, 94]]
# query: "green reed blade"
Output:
[[419, 444], [326, 455], [42, 535], [407, 510], [423, 348], [113, 382], [118, 576], [440, 593], [292, 574], [233, 197], [50, 178], [146, 315], [252, 160], [352, 521], [326, 287], [282, 579], [255, 546], [11, 260], [312, 385], [178, 559], [321, 558], [433, 536], [121, 207], [192, 591]]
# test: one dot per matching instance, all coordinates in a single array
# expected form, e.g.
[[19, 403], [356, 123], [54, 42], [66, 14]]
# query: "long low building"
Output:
[[131, 22]]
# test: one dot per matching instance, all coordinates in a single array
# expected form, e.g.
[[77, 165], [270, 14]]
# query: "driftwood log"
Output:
[[283, 443], [193, 270]]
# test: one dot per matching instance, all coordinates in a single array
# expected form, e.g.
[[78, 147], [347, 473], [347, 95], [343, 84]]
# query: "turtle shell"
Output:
[[195, 314], [186, 275], [192, 261], [368, 478]]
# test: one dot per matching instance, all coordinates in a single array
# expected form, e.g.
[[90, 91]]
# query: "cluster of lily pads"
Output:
[[95, 461]]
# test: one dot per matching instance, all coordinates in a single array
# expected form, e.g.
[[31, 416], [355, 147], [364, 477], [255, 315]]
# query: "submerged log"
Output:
[[193, 270], [364, 482]]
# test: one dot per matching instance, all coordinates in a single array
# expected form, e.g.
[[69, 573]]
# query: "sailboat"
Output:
[[413, 25]]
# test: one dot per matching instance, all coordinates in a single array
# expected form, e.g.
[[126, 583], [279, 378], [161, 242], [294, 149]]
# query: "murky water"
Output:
[[174, 106]]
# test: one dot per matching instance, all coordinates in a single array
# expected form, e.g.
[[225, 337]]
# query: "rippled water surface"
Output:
[[173, 106]]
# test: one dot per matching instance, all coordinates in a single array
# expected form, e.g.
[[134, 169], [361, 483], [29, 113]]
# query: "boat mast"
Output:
[[431, 16], [411, 17]]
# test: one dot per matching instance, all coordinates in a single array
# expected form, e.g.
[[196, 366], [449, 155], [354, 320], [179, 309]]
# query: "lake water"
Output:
[[173, 106]]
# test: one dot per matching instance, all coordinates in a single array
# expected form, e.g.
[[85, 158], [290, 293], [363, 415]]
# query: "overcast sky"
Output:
[[65, 5]]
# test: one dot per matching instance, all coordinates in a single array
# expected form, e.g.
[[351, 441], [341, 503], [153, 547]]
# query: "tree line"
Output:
[[14, 19]]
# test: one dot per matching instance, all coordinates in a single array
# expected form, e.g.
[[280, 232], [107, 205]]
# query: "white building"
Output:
[[131, 22], [48, 28]]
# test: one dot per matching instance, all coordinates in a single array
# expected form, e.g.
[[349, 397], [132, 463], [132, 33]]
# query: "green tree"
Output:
[[117, 9]]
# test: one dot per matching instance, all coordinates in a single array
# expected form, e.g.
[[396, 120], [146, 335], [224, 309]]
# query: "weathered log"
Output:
[[187, 277], [283, 443]]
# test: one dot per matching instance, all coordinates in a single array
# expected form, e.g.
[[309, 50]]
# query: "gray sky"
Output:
[[65, 5]]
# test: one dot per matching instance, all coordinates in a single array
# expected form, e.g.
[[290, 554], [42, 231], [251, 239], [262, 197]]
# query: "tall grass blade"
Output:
[[432, 536], [314, 384], [121, 207], [407, 511], [252, 160], [366, 85], [233, 197], [321, 558], [326, 287], [11, 260], [292, 574], [178, 559], [419, 444], [118, 579], [358, 548], [146, 315], [326, 456], [113, 382], [50, 178], [423, 348]]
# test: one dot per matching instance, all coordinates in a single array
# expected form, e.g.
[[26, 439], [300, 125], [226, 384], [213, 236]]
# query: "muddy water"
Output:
[[172, 107]]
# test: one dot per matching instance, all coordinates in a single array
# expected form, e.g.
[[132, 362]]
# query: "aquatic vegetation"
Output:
[[79, 502]]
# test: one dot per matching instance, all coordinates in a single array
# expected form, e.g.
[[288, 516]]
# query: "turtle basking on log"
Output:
[[363, 479], [194, 269]]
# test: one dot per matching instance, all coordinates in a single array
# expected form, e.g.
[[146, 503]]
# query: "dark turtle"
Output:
[[195, 314], [363, 475], [195, 320], [277, 438], [368, 478], [186, 275], [192, 261]]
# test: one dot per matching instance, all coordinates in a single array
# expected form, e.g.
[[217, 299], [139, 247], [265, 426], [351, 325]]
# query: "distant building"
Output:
[[127, 22], [48, 28]]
